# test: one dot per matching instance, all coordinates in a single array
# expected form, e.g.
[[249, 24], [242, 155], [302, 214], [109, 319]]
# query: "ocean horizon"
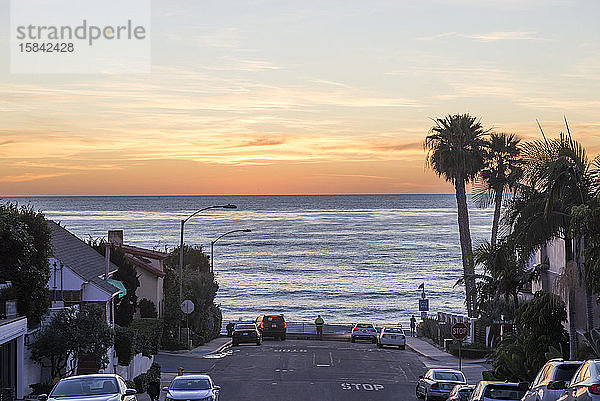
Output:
[[346, 257]]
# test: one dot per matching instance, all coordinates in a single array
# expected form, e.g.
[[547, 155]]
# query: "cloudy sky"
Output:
[[294, 97]]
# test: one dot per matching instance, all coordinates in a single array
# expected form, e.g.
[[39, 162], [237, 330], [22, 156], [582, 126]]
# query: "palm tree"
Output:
[[558, 178], [455, 151], [503, 171]]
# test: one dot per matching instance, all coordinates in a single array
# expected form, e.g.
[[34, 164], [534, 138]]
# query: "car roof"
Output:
[[365, 323], [485, 383], [446, 370], [97, 375], [191, 377]]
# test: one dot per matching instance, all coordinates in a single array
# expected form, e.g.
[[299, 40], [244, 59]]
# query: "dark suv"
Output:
[[272, 326]]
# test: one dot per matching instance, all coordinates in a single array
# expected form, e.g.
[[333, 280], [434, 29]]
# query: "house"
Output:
[[13, 330], [80, 274], [554, 253], [149, 267]]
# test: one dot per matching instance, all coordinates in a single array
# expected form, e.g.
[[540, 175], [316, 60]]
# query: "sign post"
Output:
[[187, 307], [460, 331]]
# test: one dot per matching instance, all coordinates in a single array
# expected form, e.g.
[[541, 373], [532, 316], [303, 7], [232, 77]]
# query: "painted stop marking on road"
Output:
[[362, 386], [460, 331]]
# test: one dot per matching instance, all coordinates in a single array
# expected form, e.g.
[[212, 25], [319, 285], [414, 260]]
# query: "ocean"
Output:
[[346, 257]]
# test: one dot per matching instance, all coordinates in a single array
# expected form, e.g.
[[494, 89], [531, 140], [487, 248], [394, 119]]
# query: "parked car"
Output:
[[192, 387], [363, 331], [551, 380], [272, 326], [393, 336], [585, 383], [246, 333], [461, 392], [438, 383], [494, 390], [100, 387]]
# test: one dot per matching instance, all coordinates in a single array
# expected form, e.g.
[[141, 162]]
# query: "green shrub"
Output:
[[148, 334], [130, 383], [124, 344], [141, 383], [154, 372], [147, 308], [41, 388]]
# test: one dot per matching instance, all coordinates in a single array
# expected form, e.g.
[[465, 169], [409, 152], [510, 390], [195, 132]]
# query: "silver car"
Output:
[[438, 383], [192, 387], [585, 384], [551, 380], [101, 387]]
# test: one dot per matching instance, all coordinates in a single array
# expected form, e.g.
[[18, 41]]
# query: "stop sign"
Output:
[[460, 331]]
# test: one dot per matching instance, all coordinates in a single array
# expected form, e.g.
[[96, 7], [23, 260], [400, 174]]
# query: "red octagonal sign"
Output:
[[460, 331]]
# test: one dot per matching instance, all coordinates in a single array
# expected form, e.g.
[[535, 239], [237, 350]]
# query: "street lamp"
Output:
[[212, 245], [228, 206]]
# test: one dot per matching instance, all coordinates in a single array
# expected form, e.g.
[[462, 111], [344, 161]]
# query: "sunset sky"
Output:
[[295, 97]]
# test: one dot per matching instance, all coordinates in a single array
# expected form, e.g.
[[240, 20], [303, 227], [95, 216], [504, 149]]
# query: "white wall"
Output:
[[16, 330]]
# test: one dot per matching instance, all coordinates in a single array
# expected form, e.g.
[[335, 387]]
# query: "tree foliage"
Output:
[[147, 308], [25, 249], [199, 286], [539, 328], [71, 333]]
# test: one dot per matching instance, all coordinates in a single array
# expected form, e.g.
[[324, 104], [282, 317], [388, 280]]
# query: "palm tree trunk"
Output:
[[581, 269], [465, 244], [496, 221]]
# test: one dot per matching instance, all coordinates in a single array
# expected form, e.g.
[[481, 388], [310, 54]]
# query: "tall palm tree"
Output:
[[558, 178], [455, 151], [502, 172]]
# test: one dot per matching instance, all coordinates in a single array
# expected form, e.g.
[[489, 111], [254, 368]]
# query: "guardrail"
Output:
[[310, 328]]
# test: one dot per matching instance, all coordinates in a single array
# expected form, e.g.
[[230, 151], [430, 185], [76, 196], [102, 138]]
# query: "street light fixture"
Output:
[[228, 206], [212, 245]]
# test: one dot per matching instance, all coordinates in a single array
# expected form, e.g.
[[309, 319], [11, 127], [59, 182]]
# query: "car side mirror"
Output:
[[523, 386], [216, 388], [42, 397], [165, 388], [420, 377]]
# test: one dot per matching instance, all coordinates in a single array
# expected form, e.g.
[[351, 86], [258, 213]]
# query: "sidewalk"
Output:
[[434, 357], [214, 346]]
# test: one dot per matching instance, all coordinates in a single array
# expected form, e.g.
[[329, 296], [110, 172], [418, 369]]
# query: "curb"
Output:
[[424, 355], [221, 348]]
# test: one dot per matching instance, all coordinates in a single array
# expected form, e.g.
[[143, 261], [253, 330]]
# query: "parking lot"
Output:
[[305, 370]]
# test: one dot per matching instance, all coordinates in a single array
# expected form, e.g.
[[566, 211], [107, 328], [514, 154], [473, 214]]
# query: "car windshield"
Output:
[[190, 384], [393, 330], [450, 376], [364, 325], [245, 327], [273, 319], [503, 392], [85, 386], [566, 372]]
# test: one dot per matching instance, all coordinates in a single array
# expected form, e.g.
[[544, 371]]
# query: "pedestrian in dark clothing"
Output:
[[230, 326], [413, 325], [154, 389]]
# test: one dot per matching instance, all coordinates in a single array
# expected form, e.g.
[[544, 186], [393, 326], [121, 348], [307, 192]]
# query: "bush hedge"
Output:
[[124, 344], [141, 383], [147, 308], [148, 333]]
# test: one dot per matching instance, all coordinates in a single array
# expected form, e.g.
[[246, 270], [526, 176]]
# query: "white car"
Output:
[[364, 331], [438, 383], [192, 387], [393, 336]]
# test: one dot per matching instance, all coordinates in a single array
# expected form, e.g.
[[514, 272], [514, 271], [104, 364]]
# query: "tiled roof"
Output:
[[145, 266], [80, 257], [148, 253]]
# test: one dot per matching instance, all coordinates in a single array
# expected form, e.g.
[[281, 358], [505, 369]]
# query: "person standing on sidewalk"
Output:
[[319, 322], [413, 325]]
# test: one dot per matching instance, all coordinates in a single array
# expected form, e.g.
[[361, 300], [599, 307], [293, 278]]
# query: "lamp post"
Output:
[[212, 245], [228, 206]]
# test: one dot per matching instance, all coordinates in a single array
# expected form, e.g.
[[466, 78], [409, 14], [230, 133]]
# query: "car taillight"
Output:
[[373, 330], [284, 325], [355, 329], [552, 385], [594, 389], [262, 325], [435, 386]]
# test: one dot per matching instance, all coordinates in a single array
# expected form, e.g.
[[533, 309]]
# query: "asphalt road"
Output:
[[306, 370]]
